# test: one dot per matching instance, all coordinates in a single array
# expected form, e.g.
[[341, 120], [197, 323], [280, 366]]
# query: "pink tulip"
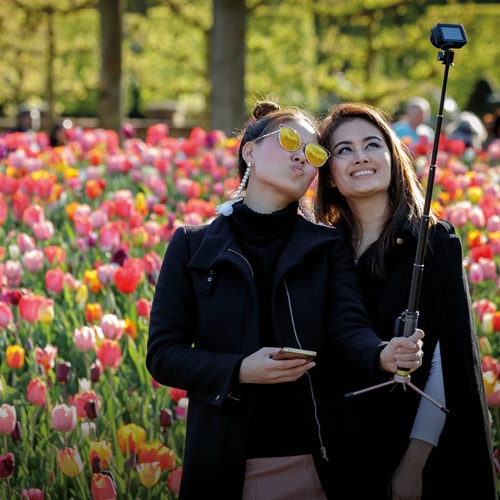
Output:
[[109, 353], [476, 274], [7, 419], [33, 214], [32, 494], [476, 216], [174, 480], [54, 280], [36, 392], [43, 230], [488, 267], [12, 270], [112, 327], [33, 260], [29, 307], [63, 418], [25, 242], [85, 338], [6, 315], [493, 223]]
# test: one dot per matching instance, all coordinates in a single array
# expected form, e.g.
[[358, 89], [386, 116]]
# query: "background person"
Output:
[[406, 447], [24, 121], [414, 125], [230, 293]]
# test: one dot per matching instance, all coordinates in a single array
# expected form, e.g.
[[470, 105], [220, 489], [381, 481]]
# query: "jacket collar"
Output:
[[218, 238]]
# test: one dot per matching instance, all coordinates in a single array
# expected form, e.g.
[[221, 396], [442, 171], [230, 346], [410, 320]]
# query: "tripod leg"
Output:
[[426, 396], [373, 387]]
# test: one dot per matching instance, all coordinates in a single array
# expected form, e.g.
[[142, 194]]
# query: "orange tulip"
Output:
[[157, 452], [14, 356], [130, 438], [93, 312]]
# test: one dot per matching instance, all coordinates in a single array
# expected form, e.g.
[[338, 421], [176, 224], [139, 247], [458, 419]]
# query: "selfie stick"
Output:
[[444, 36]]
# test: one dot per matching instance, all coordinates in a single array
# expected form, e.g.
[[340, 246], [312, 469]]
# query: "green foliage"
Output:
[[278, 62], [307, 52]]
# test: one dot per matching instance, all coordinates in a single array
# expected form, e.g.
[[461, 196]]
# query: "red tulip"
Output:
[[7, 465], [103, 486]]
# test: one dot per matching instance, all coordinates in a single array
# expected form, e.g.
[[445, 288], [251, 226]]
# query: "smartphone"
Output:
[[291, 353]]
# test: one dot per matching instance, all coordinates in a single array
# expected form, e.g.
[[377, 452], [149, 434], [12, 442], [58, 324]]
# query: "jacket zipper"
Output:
[[311, 389]]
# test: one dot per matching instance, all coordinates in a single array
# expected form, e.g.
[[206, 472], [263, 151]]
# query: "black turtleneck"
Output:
[[263, 237], [275, 413]]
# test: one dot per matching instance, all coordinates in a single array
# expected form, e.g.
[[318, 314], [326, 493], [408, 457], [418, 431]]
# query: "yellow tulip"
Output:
[[149, 473], [69, 461]]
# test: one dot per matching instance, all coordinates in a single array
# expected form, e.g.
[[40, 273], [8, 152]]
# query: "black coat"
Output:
[[380, 421], [206, 297]]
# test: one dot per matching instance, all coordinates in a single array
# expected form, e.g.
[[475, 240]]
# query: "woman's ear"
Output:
[[247, 152]]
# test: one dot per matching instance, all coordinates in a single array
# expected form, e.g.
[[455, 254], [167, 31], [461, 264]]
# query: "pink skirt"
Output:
[[282, 478]]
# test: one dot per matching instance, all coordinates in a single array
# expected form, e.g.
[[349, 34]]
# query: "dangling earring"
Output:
[[305, 212], [226, 208]]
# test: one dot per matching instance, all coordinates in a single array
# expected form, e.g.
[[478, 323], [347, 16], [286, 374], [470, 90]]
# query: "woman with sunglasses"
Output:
[[231, 293], [406, 446]]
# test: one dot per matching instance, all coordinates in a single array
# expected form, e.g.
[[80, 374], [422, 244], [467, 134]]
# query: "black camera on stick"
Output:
[[448, 36]]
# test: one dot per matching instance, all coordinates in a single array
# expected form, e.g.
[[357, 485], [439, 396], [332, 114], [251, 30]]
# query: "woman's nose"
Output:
[[299, 156], [360, 155]]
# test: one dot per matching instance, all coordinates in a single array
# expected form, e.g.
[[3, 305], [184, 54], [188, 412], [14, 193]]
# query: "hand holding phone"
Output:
[[291, 353]]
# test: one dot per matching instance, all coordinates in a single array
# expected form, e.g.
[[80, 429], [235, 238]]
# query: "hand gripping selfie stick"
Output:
[[445, 37]]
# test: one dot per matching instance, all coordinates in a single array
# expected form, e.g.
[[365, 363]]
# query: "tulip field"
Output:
[[84, 228]]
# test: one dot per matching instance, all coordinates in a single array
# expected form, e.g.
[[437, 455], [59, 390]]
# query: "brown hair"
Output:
[[405, 191]]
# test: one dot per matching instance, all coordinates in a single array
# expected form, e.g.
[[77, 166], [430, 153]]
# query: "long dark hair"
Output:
[[405, 191]]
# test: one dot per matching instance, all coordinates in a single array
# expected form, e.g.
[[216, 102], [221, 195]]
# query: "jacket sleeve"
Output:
[[171, 358], [355, 346]]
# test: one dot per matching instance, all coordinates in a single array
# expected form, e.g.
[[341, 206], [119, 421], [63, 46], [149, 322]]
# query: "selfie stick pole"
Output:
[[407, 322]]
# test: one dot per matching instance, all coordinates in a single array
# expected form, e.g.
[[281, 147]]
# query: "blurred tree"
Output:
[[227, 65], [307, 52], [36, 17], [110, 108]]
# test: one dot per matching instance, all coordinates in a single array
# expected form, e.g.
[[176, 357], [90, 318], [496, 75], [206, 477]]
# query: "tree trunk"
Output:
[[227, 65], [110, 88]]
